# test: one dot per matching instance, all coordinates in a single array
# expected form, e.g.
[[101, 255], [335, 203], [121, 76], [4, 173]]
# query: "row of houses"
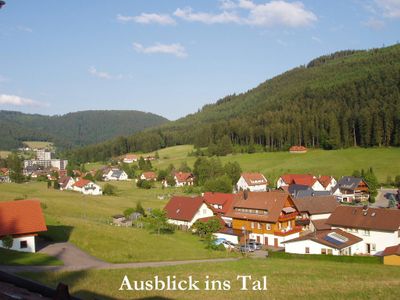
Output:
[[348, 189], [309, 225], [180, 178]]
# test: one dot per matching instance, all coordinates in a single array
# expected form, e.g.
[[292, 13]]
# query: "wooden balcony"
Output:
[[285, 233], [286, 217]]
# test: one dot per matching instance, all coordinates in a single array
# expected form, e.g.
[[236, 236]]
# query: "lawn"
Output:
[[299, 279], [384, 161], [38, 144], [85, 221], [14, 258], [4, 154]]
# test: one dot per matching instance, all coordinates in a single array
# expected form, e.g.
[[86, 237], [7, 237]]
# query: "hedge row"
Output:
[[347, 259]]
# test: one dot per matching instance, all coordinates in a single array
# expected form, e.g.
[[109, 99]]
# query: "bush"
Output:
[[144, 184], [109, 190], [7, 241]]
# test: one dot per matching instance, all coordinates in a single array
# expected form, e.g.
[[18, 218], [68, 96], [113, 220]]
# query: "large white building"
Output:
[[87, 187]]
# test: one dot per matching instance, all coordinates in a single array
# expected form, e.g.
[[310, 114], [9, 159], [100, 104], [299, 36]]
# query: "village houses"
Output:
[[115, 174], [351, 189]]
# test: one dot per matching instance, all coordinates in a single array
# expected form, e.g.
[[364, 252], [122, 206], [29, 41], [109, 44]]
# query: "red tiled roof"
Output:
[[373, 218], [325, 180], [131, 156], [222, 222], [223, 199], [272, 201], [183, 208], [21, 217], [4, 171], [298, 148], [254, 178], [81, 183], [302, 179], [149, 175], [184, 177], [316, 204], [394, 250]]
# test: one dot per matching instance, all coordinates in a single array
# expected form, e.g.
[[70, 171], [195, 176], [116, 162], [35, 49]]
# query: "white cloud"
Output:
[[18, 101], [280, 13], [389, 8], [103, 75], [290, 14], [316, 39], [145, 18], [25, 29], [174, 49], [225, 17], [374, 24]]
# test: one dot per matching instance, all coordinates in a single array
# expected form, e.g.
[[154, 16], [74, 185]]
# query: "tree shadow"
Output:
[[55, 234]]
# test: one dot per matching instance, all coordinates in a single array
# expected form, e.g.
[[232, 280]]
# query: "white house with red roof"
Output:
[[22, 220], [253, 182], [87, 187], [149, 176], [300, 179], [328, 182], [183, 178], [185, 211], [130, 158]]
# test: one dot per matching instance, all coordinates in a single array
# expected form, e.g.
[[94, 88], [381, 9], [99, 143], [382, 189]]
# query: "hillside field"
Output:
[[384, 161], [286, 279], [85, 221]]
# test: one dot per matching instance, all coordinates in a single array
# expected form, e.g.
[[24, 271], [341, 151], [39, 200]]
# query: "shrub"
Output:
[[109, 189], [7, 241]]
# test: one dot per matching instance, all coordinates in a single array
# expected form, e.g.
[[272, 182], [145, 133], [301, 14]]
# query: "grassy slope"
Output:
[[85, 221], [37, 144], [298, 279], [14, 258], [384, 161]]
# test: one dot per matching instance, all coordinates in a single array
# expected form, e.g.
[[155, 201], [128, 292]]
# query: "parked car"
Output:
[[219, 241], [228, 245], [255, 245], [246, 248]]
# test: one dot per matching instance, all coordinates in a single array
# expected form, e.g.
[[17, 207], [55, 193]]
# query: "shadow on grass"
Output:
[[56, 233], [16, 258]]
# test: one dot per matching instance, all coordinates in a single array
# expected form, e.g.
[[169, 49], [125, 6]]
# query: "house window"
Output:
[[373, 247], [366, 232], [258, 225], [23, 244], [268, 226], [323, 251], [280, 225], [307, 250], [204, 211], [329, 251], [252, 225]]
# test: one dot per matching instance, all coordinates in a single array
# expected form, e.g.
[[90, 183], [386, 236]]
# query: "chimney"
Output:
[[245, 194]]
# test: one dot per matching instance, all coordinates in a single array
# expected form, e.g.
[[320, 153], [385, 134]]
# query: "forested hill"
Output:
[[339, 100], [72, 129]]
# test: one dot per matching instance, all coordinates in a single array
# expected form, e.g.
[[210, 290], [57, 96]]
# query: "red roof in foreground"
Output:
[[81, 183], [222, 199], [183, 208], [21, 217], [394, 250]]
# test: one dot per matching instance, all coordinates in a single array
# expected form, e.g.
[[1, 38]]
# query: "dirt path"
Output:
[[77, 260]]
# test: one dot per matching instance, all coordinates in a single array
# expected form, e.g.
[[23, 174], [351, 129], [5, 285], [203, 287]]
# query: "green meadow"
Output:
[[10, 257], [299, 279], [384, 161], [86, 222]]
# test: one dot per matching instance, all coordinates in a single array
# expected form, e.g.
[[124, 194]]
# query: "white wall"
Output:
[[280, 183], [317, 186], [320, 216], [232, 238], [272, 237], [381, 240], [242, 185], [299, 247], [16, 244], [203, 212]]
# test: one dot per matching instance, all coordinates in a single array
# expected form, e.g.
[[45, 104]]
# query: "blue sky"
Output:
[[170, 57]]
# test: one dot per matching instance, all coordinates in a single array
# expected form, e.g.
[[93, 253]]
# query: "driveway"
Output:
[[76, 260], [382, 199]]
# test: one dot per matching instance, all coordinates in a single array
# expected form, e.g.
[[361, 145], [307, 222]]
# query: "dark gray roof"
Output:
[[311, 193], [116, 173], [295, 188]]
